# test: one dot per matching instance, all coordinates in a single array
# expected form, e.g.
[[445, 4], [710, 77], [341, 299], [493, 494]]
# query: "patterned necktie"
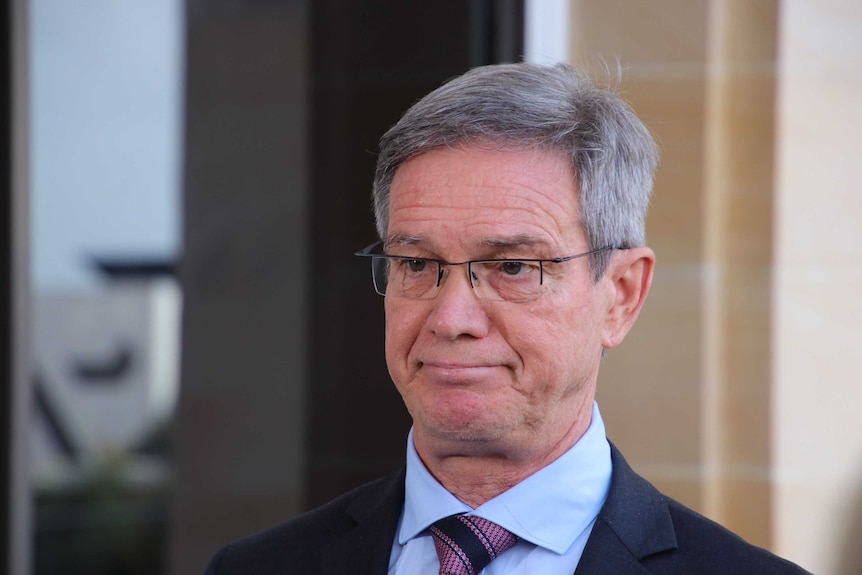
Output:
[[466, 544]]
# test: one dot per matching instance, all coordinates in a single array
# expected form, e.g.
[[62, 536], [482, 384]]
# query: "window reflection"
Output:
[[106, 304]]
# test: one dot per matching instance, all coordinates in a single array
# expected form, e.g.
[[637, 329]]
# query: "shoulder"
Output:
[[668, 537], [295, 545], [715, 549]]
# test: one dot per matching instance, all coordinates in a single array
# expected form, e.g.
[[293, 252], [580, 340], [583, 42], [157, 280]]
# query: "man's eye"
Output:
[[513, 268], [417, 265]]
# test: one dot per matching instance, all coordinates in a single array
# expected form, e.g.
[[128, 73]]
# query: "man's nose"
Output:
[[457, 309]]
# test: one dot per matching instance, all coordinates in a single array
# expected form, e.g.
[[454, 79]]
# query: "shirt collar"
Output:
[[549, 508]]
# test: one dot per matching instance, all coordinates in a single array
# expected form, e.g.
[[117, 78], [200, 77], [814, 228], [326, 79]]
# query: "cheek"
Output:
[[555, 345], [540, 345], [555, 325], [403, 324]]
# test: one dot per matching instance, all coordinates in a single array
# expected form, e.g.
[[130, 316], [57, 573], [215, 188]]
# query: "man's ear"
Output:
[[630, 273]]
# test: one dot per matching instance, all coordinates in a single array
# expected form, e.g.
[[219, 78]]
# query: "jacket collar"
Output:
[[365, 549], [634, 523]]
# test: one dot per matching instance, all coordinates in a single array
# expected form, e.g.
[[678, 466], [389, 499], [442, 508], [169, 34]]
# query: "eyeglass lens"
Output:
[[508, 280]]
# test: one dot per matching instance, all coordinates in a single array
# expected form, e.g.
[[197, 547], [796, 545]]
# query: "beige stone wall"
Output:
[[657, 371], [817, 292], [737, 392]]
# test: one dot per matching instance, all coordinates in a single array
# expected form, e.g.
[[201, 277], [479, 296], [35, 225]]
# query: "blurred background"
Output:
[[192, 354]]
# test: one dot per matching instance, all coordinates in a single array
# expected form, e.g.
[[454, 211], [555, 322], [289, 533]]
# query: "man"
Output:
[[511, 204]]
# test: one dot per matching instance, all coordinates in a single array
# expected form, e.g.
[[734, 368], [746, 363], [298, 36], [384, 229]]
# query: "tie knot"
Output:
[[466, 544]]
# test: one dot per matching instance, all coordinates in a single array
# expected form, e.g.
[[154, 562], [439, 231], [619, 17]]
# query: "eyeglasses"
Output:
[[515, 280]]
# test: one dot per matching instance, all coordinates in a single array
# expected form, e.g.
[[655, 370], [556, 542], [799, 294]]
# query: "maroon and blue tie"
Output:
[[466, 544]]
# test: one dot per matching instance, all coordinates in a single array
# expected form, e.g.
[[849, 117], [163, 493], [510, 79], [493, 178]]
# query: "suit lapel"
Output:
[[605, 553], [634, 523], [365, 549]]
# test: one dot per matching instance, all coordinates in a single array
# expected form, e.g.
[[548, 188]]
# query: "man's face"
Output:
[[509, 379]]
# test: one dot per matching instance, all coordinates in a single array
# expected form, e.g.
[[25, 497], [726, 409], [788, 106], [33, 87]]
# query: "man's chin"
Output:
[[462, 432]]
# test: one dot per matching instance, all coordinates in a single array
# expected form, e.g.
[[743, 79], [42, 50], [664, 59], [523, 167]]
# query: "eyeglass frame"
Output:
[[366, 253]]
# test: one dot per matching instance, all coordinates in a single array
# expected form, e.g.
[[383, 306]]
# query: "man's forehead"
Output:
[[468, 174], [484, 199], [499, 242], [531, 158]]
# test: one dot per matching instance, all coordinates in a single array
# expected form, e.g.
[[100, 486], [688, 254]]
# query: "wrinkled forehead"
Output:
[[477, 191], [491, 162]]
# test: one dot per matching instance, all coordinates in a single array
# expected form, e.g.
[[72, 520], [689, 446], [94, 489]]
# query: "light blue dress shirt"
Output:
[[552, 511]]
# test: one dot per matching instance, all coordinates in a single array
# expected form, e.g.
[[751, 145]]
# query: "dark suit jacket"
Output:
[[639, 531]]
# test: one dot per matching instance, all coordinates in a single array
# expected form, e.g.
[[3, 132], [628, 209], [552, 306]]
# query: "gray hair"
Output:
[[529, 106]]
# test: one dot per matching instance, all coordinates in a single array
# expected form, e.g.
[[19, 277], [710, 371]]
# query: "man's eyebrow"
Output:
[[398, 239], [516, 241], [494, 244]]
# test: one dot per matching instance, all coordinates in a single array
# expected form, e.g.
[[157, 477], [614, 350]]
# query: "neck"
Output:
[[476, 474]]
